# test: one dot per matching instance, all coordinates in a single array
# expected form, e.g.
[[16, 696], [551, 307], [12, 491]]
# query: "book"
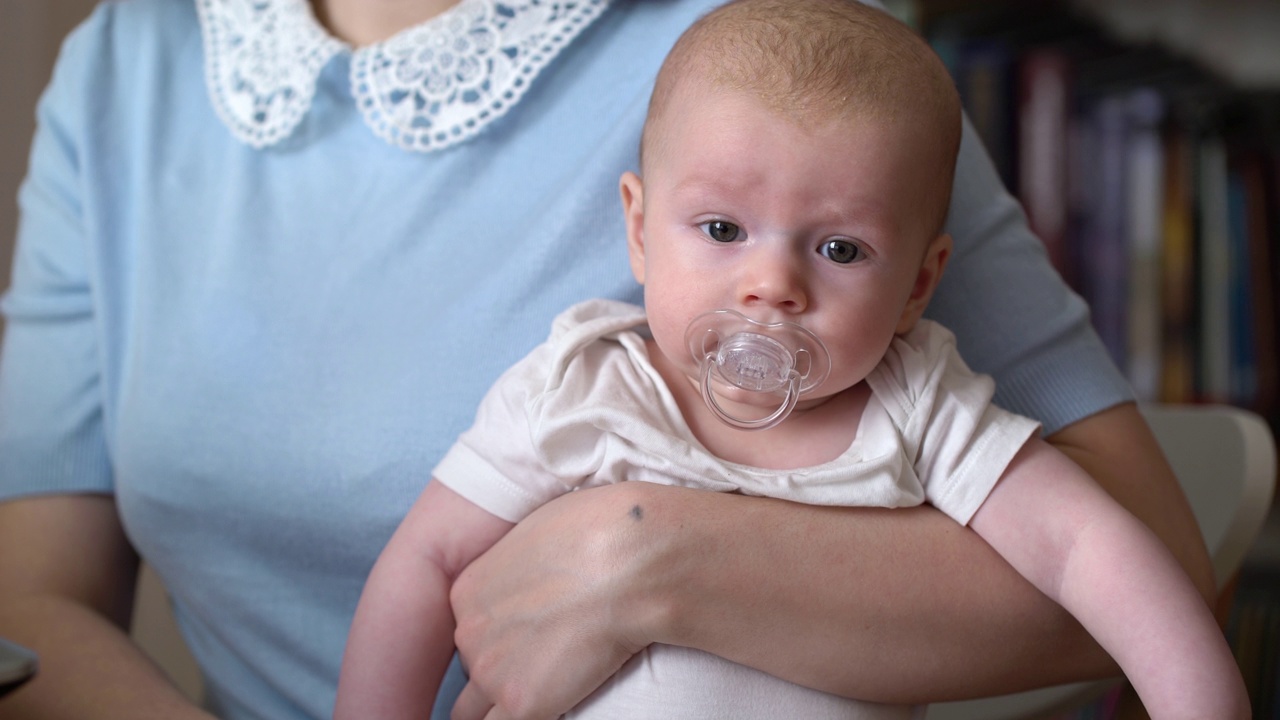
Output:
[[1258, 265], [984, 79], [1214, 276], [1103, 262], [1178, 336], [1242, 354], [1144, 200], [1043, 109]]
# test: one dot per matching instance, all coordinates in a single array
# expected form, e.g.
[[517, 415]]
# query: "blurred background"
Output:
[[31, 32], [1143, 139]]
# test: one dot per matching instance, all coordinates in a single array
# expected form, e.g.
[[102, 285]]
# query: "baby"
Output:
[[796, 163]]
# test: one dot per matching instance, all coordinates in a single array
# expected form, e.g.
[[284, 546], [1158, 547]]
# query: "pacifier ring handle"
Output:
[[764, 423]]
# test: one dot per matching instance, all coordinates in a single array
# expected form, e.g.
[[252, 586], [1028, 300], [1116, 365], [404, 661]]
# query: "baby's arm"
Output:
[[401, 639], [1049, 520]]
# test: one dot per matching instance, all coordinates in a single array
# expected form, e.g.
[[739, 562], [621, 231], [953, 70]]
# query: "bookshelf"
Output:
[[1143, 139], [1148, 160]]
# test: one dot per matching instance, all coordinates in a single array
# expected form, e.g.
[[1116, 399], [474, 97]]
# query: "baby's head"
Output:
[[797, 165], [815, 61]]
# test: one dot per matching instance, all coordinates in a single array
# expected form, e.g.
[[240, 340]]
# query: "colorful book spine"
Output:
[[1044, 105], [1144, 197], [1178, 337], [1214, 272]]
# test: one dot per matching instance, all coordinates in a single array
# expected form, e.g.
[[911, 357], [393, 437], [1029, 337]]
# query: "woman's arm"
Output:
[[899, 606], [67, 577], [1079, 547]]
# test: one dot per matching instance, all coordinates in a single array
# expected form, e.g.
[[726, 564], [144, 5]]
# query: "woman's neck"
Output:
[[364, 22]]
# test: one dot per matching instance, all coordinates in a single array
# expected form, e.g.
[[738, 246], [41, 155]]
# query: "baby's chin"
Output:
[[729, 395], [746, 405]]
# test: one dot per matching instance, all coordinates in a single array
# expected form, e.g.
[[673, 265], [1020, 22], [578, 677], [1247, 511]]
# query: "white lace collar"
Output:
[[426, 88]]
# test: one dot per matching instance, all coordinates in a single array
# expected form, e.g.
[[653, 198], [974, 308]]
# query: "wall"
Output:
[[1236, 38], [31, 32]]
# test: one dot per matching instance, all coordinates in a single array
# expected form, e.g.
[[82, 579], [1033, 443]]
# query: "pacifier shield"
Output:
[[735, 350]]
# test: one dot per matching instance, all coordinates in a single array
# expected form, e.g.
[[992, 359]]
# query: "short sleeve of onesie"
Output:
[[544, 428], [494, 464], [958, 441]]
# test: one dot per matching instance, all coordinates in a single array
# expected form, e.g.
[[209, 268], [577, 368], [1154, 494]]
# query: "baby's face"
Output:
[[817, 224]]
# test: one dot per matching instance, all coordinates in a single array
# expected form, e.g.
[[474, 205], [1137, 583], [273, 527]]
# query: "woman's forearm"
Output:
[[892, 605], [88, 667], [901, 606], [67, 574]]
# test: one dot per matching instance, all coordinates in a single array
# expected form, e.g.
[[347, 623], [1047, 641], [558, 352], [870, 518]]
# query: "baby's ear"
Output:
[[935, 261], [632, 189]]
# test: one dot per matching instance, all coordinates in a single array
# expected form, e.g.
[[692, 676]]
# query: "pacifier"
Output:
[[733, 350]]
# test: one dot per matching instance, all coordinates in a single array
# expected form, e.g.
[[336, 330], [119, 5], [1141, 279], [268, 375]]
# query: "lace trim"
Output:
[[262, 58], [427, 88]]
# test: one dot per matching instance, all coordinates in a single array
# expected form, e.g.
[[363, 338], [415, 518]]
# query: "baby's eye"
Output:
[[841, 251], [721, 231]]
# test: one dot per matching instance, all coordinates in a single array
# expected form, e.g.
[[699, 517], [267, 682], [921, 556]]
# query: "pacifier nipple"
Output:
[[736, 351]]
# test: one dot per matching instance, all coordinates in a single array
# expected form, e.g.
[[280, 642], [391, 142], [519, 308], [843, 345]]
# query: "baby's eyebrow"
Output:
[[715, 187]]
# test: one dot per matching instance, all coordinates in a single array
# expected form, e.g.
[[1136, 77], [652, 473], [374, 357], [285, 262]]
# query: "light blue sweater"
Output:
[[263, 353]]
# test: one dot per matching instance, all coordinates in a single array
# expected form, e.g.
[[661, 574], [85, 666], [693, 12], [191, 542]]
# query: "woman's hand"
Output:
[[555, 608]]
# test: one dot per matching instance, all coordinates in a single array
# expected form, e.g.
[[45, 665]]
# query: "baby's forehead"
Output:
[[704, 95], [804, 91]]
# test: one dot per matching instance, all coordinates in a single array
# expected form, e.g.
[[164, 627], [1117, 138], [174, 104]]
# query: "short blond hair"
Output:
[[816, 60]]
